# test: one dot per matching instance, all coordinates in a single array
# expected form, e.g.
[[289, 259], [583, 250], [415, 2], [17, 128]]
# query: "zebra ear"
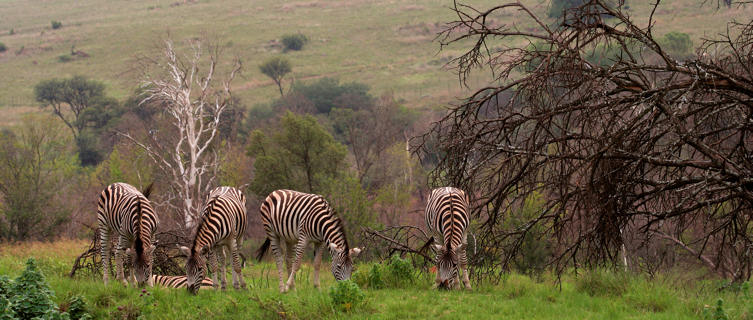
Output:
[[354, 252], [333, 247], [461, 247], [151, 248], [185, 250], [438, 247]]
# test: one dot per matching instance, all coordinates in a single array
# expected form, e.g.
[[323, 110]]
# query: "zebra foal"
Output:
[[222, 225], [177, 281], [447, 219], [291, 220], [124, 211]]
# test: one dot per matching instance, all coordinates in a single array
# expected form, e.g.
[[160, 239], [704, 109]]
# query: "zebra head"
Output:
[[342, 261], [447, 265], [196, 267], [142, 265]]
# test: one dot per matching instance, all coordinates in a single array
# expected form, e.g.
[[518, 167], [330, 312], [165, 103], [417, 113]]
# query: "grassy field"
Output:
[[386, 44], [600, 295]]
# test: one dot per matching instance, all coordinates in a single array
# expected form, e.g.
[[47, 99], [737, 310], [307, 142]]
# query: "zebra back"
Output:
[[447, 215], [224, 215], [126, 210], [285, 213]]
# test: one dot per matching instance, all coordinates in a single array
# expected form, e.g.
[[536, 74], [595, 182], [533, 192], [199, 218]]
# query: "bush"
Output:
[[346, 295], [715, 313], [56, 24], [602, 283], [677, 44], [3, 48], [400, 272], [64, 58], [294, 41]]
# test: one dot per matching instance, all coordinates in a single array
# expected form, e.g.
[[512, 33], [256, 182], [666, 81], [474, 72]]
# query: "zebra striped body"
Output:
[[223, 223], [124, 211], [177, 281], [447, 219], [293, 219]]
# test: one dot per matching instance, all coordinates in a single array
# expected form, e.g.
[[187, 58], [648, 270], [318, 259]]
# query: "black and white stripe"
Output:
[[447, 218], [293, 219], [124, 211], [177, 281], [223, 223]]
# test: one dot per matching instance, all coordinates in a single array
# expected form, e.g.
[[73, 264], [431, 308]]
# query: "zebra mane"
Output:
[[139, 243], [204, 217], [340, 225]]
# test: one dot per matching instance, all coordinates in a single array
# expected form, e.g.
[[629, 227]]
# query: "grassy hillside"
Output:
[[385, 43], [604, 296]]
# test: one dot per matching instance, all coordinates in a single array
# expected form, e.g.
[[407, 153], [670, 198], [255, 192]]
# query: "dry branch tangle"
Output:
[[644, 141]]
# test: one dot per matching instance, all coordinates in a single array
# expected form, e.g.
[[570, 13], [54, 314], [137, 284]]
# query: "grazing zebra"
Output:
[[222, 224], [447, 218], [293, 219], [124, 211], [177, 281]]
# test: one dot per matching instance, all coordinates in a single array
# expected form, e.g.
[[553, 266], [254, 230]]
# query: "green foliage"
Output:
[[30, 297], [346, 295], [328, 93], [56, 24], [35, 163], [677, 44], [558, 7], [276, 68], [83, 106], [536, 250], [394, 273], [76, 308], [294, 41], [600, 282], [3, 48], [717, 312], [300, 155], [346, 195]]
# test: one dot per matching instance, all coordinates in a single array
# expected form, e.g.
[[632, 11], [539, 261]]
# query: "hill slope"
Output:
[[386, 44]]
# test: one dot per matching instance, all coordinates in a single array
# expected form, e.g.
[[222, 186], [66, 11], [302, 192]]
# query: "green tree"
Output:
[[276, 68], [300, 155], [328, 93], [35, 164], [82, 105]]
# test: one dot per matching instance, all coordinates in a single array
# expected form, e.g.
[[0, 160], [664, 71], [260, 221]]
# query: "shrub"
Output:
[[677, 44], [374, 278], [294, 41], [64, 58], [602, 283], [400, 272], [56, 24], [76, 308], [3, 48], [715, 313], [346, 295]]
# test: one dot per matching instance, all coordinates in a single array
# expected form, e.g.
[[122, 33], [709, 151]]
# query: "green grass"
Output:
[[385, 44], [593, 295]]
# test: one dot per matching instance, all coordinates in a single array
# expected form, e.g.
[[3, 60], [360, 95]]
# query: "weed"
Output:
[[346, 295], [715, 313]]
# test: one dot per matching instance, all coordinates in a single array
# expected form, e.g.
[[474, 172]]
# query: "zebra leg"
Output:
[[237, 276], [299, 248], [274, 244], [319, 251], [104, 250], [463, 261], [212, 268], [223, 272], [289, 256], [119, 253]]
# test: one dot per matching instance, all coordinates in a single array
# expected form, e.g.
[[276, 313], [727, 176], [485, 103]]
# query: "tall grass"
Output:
[[598, 294]]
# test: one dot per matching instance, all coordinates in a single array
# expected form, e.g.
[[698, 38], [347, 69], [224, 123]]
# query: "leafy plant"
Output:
[[294, 41], [56, 24], [346, 295], [715, 313], [677, 44], [400, 272]]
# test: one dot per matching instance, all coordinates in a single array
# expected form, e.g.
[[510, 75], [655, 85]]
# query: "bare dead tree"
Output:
[[637, 143], [193, 96]]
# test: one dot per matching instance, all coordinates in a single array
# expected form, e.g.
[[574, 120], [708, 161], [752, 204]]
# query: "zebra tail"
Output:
[[148, 190], [263, 249]]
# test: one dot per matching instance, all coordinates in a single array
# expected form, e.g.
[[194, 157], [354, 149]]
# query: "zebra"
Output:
[[177, 281], [223, 223], [125, 211], [447, 218], [294, 217]]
